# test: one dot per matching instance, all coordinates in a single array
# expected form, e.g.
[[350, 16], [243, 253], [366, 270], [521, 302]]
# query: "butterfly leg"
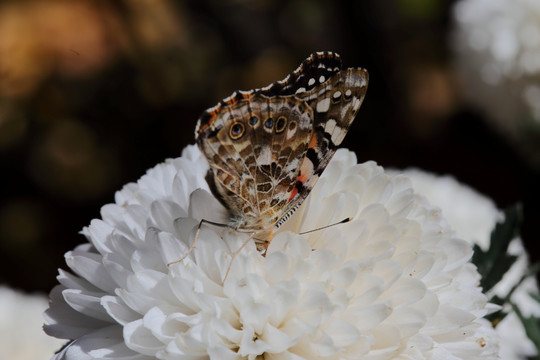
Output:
[[192, 247], [236, 253]]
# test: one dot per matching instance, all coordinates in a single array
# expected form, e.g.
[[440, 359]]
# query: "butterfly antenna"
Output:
[[344, 221]]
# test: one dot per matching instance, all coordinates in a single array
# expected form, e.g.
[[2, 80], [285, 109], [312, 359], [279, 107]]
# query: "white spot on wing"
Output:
[[322, 79], [356, 103], [336, 131], [338, 135], [265, 157], [291, 166], [323, 105], [330, 125], [300, 90], [311, 81], [213, 108], [230, 97], [364, 82]]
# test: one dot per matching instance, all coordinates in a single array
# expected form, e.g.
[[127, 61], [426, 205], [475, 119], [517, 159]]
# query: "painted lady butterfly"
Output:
[[267, 147]]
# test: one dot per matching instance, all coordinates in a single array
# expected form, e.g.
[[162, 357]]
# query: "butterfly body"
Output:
[[267, 147]]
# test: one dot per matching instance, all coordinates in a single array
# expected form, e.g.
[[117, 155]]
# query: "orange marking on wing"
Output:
[[302, 178], [213, 116], [293, 193], [313, 141], [306, 171]]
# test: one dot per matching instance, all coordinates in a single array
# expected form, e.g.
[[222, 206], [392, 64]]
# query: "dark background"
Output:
[[93, 93]]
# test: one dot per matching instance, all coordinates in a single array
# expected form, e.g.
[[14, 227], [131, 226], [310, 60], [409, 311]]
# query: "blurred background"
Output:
[[93, 93]]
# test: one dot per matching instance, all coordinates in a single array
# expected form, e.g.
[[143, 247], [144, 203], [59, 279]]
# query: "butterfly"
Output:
[[266, 148]]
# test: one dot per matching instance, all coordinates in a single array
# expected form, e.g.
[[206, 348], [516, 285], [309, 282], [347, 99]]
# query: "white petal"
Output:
[[140, 339], [63, 322], [119, 311], [90, 266], [391, 283], [106, 343], [342, 332], [164, 213], [87, 304]]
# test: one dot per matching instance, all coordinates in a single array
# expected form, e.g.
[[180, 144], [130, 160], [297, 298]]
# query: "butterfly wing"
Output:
[[312, 72], [254, 152], [335, 104], [267, 147]]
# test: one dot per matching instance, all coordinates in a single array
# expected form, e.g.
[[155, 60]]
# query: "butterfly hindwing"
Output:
[[254, 158]]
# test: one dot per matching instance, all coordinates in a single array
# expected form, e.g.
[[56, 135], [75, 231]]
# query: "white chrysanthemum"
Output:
[[473, 216], [391, 284], [21, 333], [497, 47]]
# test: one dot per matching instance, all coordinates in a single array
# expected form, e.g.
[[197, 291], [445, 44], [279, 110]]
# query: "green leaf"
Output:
[[535, 297], [498, 316], [532, 327], [493, 263]]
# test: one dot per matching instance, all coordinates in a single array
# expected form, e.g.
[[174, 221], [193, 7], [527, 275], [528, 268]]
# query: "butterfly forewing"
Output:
[[334, 105], [315, 70]]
